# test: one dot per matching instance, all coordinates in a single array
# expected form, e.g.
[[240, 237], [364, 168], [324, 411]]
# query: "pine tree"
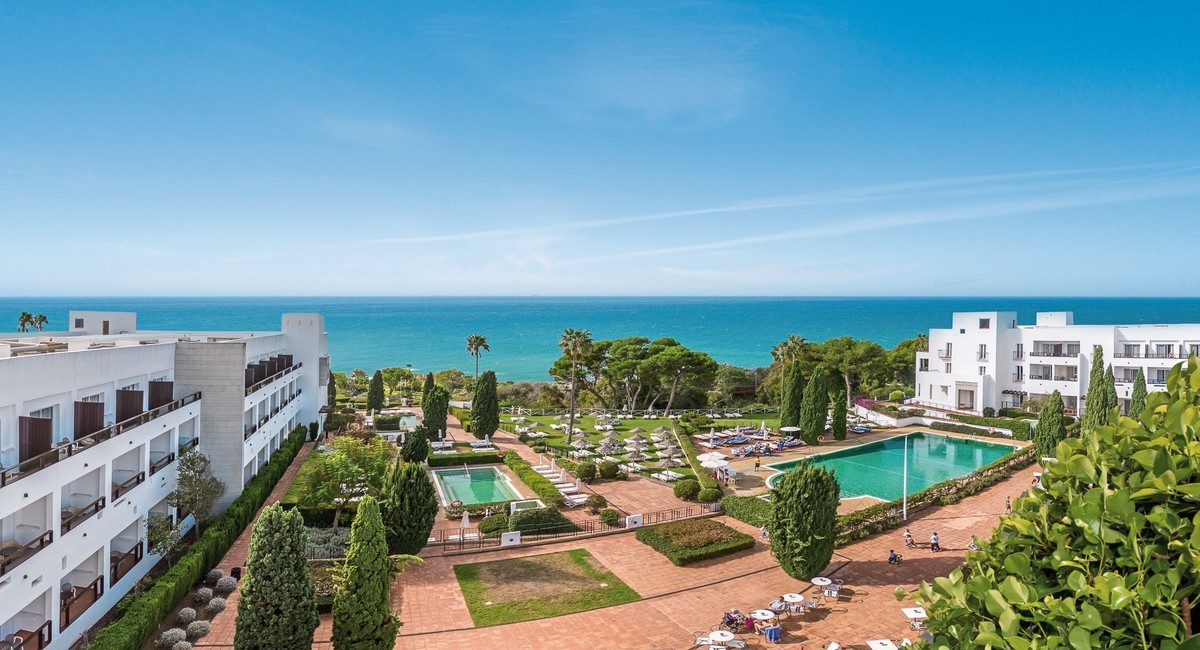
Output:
[[375, 392], [837, 401], [485, 407], [362, 613], [408, 505], [429, 384], [815, 406], [803, 522], [436, 409], [1110, 392], [1094, 410], [1051, 427], [416, 445], [793, 397], [277, 605], [1137, 399]]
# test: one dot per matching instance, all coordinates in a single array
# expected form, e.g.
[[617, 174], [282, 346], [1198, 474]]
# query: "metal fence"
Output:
[[720, 415]]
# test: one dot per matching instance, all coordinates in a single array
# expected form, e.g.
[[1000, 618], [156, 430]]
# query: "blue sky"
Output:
[[598, 148]]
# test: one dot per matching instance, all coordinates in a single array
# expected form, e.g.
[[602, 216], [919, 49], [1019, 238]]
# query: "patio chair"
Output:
[[773, 633]]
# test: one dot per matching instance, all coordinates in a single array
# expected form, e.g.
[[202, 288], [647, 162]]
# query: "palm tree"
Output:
[[787, 352], [40, 321], [24, 322], [574, 344], [476, 345]]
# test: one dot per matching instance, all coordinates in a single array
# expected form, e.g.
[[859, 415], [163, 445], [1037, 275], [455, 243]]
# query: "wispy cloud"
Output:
[[376, 132]]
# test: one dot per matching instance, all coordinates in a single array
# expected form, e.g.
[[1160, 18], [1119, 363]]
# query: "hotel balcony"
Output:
[[82, 499], [263, 373], [1018, 377], [1055, 352], [127, 473], [944, 353], [24, 533], [162, 453], [126, 550], [1018, 355], [79, 590], [38, 452], [251, 429], [981, 356], [31, 628]]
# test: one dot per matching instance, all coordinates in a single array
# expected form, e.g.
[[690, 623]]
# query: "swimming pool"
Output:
[[877, 469], [474, 485]]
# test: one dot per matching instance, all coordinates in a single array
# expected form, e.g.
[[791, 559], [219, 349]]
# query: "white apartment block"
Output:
[[92, 421], [985, 359]]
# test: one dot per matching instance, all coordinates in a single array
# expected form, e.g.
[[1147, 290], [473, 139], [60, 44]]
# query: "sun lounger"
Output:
[[573, 500], [445, 452], [674, 475], [662, 476]]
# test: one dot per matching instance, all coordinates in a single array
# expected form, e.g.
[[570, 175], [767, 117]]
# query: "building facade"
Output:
[[92, 422], [987, 360]]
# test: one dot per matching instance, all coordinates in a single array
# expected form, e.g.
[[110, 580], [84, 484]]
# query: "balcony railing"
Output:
[[1018, 377], [250, 390], [122, 489], [72, 518], [1169, 354], [42, 461], [1134, 354], [253, 428], [1156, 381], [1018, 355], [38, 639], [188, 444], [122, 563], [81, 599], [1066, 378], [1126, 380], [161, 463], [1054, 353], [1037, 376], [19, 554], [945, 354], [981, 356]]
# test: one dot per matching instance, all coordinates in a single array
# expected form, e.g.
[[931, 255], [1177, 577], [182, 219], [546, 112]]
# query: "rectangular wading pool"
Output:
[[877, 469], [474, 485]]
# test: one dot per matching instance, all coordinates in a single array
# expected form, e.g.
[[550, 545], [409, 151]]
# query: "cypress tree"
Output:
[[277, 605], [1137, 399], [429, 384], [837, 400], [793, 396], [1110, 392], [485, 407], [375, 392], [803, 521], [1051, 427], [815, 407], [416, 445], [436, 408], [331, 392], [408, 505], [362, 613], [1094, 411]]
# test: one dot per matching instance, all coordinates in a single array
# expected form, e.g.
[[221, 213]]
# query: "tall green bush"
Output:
[[426, 387], [803, 520], [815, 407], [362, 611], [408, 506], [435, 410], [1137, 398], [837, 404], [485, 407], [416, 445], [1104, 556], [1095, 405], [793, 397], [1051, 427], [375, 392], [277, 606]]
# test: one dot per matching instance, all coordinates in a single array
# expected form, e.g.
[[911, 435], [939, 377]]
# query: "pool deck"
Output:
[[755, 483]]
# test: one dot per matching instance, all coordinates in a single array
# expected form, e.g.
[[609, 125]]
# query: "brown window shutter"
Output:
[[161, 393], [35, 434], [130, 404], [89, 418]]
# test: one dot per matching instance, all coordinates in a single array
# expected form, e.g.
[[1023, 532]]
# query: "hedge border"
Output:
[[536, 482], [702, 477], [470, 458], [1020, 428], [141, 614], [650, 536]]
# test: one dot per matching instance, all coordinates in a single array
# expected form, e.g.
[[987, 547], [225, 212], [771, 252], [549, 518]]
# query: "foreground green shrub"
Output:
[[1020, 428], [710, 495], [595, 503], [687, 489], [540, 521], [803, 522], [610, 517], [277, 607], [585, 471], [692, 540], [362, 611], [494, 525], [608, 469]]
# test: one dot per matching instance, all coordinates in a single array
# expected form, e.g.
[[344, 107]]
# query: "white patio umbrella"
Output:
[[712, 455], [552, 459], [789, 429], [466, 520], [578, 485], [715, 464], [663, 429], [582, 444], [562, 476]]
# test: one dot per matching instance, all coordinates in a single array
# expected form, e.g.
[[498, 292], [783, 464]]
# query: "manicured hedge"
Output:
[[967, 429], [692, 540], [471, 458], [536, 482], [1020, 428], [540, 521], [750, 510], [463, 415], [476, 509], [704, 478], [142, 612]]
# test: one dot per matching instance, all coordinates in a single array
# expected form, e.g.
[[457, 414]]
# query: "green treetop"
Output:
[[362, 612], [408, 506], [1051, 426], [435, 410], [803, 520], [793, 397], [1137, 399], [1094, 408], [277, 605], [375, 392], [815, 407], [837, 404], [485, 407]]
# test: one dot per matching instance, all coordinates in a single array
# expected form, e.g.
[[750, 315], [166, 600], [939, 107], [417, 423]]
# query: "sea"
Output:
[[429, 333]]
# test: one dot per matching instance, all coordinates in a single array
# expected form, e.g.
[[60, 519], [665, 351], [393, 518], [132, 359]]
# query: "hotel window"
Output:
[[1163, 351], [948, 371], [983, 351], [98, 397], [133, 386], [923, 365], [1194, 348], [982, 370], [78, 323], [985, 323]]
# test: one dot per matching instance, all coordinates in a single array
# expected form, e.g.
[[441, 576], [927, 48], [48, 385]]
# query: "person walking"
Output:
[[1008, 505], [757, 464], [763, 532], [934, 545]]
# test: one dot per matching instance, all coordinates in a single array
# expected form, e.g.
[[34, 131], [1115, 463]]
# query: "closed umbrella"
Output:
[[671, 462], [636, 456], [663, 429], [638, 438], [578, 485], [637, 430], [466, 520], [582, 444], [562, 476]]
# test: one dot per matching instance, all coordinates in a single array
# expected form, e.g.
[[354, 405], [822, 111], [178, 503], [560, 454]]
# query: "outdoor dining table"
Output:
[[914, 613], [762, 614], [881, 644], [720, 636], [822, 581]]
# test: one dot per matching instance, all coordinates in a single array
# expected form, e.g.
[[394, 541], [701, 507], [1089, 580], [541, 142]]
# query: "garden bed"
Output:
[[692, 540], [528, 588]]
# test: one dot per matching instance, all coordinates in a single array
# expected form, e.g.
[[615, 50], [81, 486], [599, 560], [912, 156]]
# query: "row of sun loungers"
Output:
[[572, 495], [666, 476]]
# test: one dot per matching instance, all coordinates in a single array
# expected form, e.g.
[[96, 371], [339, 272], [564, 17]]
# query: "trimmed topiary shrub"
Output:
[[494, 525], [692, 540], [585, 471], [226, 585], [608, 469], [203, 595], [750, 510], [610, 517], [687, 489], [710, 495], [540, 521], [198, 630], [185, 616], [595, 503], [171, 637], [898, 396], [989, 412], [213, 576], [216, 605]]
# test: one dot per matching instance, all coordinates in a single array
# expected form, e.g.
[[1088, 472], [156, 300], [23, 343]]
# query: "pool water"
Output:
[[408, 421], [877, 469], [475, 485]]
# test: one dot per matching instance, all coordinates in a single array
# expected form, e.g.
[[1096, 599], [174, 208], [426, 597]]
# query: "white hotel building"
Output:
[[92, 421], [985, 359]]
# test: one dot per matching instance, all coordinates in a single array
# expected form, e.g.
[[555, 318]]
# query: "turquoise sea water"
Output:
[[430, 333], [877, 468]]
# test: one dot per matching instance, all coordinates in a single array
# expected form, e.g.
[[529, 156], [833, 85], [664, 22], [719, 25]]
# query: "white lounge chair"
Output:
[[572, 500]]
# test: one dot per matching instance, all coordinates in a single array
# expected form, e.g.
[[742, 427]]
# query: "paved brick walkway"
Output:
[[223, 626]]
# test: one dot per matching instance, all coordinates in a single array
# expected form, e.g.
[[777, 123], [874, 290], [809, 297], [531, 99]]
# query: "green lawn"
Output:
[[523, 589]]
